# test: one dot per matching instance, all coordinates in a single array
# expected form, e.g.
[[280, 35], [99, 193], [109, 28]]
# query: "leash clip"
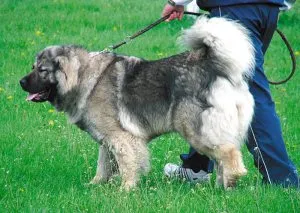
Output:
[[127, 39]]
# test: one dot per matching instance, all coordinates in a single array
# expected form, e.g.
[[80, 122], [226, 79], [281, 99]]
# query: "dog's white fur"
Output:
[[225, 125], [228, 40]]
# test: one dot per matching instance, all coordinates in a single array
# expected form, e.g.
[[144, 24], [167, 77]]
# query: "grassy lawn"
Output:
[[45, 162]]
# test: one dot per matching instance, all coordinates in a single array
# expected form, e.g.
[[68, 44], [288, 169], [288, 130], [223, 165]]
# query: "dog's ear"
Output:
[[66, 73]]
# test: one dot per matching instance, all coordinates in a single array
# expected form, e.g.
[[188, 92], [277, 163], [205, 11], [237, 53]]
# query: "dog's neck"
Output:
[[74, 101]]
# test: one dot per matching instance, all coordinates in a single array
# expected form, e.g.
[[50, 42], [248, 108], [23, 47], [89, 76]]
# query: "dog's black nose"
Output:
[[23, 82]]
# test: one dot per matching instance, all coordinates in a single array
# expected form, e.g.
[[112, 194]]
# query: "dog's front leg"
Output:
[[105, 165], [132, 157]]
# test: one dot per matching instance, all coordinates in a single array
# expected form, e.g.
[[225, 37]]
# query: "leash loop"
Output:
[[293, 59]]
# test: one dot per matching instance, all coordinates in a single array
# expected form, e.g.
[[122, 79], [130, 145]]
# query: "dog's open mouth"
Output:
[[38, 97]]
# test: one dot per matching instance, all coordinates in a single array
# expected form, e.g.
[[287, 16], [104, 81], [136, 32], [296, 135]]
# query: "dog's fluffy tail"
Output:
[[227, 41]]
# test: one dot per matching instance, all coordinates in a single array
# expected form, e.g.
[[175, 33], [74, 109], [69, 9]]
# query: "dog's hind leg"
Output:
[[228, 157], [106, 165], [230, 164], [229, 161], [131, 155]]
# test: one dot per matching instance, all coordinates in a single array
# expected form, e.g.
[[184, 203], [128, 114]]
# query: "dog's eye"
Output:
[[43, 69]]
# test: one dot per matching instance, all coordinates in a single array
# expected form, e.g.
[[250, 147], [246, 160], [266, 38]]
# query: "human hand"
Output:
[[175, 11]]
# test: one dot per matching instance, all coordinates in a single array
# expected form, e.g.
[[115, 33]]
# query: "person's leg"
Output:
[[266, 124], [196, 162]]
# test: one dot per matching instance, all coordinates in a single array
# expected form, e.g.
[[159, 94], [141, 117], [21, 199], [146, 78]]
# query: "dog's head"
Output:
[[54, 73]]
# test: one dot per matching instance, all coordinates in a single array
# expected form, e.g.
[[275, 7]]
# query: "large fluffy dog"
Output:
[[122, 102]]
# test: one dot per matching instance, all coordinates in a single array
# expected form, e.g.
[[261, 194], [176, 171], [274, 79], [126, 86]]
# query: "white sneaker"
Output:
[[174, 171]]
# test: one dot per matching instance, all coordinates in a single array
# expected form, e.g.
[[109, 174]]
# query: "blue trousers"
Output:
[[261, 21]]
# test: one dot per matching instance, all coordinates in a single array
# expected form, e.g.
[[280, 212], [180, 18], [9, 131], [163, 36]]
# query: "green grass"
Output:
[[45, 162]]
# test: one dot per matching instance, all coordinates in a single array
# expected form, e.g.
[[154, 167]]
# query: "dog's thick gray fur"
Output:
[[123, 102]]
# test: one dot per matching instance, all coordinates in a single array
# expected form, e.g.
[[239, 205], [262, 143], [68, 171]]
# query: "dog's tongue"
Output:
[[30, 97]]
